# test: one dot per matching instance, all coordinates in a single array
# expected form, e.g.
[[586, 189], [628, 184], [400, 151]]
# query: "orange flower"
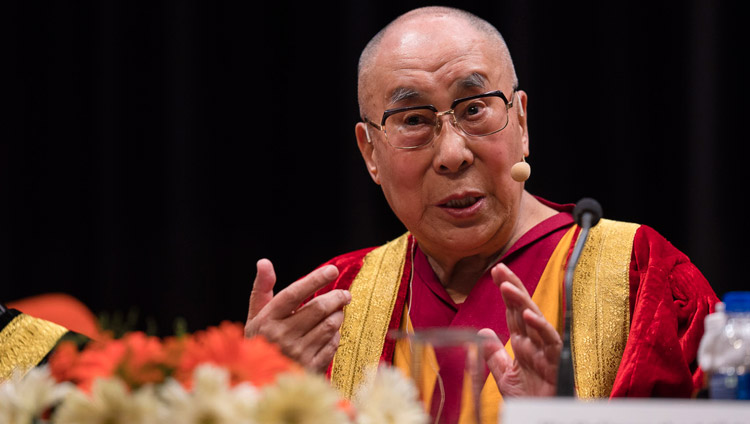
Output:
[[136, 358], [348, 408], [99, 359], [63, 360], [144, 360], [173, 350], [248, 360], [139, 359]]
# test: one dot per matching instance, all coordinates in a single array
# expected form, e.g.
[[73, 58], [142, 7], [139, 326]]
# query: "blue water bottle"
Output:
[[731, 378]]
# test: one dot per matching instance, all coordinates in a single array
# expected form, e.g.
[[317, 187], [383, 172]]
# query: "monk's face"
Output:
[[455, 194]]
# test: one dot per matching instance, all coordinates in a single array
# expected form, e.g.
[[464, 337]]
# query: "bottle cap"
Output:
[[713, 323], [737, 301]]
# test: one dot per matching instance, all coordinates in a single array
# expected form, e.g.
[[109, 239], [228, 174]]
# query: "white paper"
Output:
[[624, 411]]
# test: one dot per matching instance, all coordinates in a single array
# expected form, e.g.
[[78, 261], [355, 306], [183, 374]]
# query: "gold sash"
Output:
[[366, 318], [601, 305], [600, 298], [24, 342]]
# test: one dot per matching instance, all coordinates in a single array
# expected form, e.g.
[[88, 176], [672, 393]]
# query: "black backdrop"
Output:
[[155, 151]]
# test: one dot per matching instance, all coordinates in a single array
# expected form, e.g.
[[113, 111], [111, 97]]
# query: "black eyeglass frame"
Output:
[[456, 102]]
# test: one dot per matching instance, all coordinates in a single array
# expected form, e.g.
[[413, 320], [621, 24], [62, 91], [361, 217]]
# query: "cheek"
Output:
[[501, 153], [496, 158], [402, 180], [494, 163]]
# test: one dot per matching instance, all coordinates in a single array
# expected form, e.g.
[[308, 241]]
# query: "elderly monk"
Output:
[[445, 133]]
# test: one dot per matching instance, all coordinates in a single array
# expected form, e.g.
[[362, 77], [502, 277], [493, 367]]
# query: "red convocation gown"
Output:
[[668, 300]]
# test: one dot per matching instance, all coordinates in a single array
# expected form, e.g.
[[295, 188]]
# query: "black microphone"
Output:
[[586, 214]]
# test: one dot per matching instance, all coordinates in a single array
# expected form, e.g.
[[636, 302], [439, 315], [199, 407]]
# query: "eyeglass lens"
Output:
[[475, 117]]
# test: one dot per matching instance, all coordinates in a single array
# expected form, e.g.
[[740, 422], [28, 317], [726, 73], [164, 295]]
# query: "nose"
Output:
[[452, 153]]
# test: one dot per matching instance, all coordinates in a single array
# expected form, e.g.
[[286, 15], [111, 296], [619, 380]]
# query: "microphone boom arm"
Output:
[[587, 214]]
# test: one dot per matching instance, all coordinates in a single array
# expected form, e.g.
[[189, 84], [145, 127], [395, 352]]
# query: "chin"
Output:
[[461, 241]]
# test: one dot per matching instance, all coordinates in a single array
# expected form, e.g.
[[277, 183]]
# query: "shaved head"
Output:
[[369, 54]]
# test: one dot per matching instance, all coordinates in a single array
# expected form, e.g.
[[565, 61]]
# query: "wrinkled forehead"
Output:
[[422, 56]]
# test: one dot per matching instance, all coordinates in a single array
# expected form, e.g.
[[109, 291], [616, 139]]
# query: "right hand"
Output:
[[535, 342], [308, 334]]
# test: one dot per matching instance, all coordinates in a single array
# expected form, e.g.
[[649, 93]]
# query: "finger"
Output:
[[501, 273], [323, 332], [547, 333], [541, 348], [525, 351], [517, 297], [262, 291], [289, 299], [313, 313], [319, 309], [541, 360], [304, 347], [492, 342], [325, 355], [514, 307], [495, 354], [324, 339]]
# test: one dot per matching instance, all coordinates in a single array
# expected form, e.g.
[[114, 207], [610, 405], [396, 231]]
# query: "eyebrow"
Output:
[[399, 94], [475, 80], [402, 93]]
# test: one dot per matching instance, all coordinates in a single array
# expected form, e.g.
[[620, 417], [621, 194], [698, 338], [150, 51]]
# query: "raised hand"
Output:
[[536, 344], [307, 333]]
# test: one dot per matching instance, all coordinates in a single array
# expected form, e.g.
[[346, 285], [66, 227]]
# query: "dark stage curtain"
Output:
[[154, 151]]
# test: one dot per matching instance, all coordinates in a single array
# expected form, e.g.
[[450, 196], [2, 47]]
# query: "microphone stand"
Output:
[[586, 214]]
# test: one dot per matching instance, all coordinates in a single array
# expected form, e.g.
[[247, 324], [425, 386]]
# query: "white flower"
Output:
[[299, 399], [110, 403], [25, 397], [389, 397], [246, 399], [211, 400]]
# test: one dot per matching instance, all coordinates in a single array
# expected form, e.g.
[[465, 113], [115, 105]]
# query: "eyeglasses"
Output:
[[413, 127]]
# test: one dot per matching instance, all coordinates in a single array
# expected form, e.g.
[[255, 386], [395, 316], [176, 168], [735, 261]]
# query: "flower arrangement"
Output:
[[212, 376]]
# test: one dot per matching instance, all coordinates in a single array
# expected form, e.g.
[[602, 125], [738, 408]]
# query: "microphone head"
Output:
[[590, 206]]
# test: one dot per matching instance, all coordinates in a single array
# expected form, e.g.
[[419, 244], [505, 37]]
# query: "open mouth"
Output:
[[462, 203]]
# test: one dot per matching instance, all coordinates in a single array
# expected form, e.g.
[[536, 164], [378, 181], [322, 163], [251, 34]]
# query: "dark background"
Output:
[[154, 151]]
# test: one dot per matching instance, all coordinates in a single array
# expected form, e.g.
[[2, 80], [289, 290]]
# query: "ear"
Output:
[[367, 148], [523, 116]]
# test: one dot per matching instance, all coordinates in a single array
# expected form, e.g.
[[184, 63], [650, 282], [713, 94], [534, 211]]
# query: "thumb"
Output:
[[262, 292], [495, 355]]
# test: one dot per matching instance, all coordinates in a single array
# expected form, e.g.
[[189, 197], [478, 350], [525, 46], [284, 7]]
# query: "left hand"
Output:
[[536, 344]]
